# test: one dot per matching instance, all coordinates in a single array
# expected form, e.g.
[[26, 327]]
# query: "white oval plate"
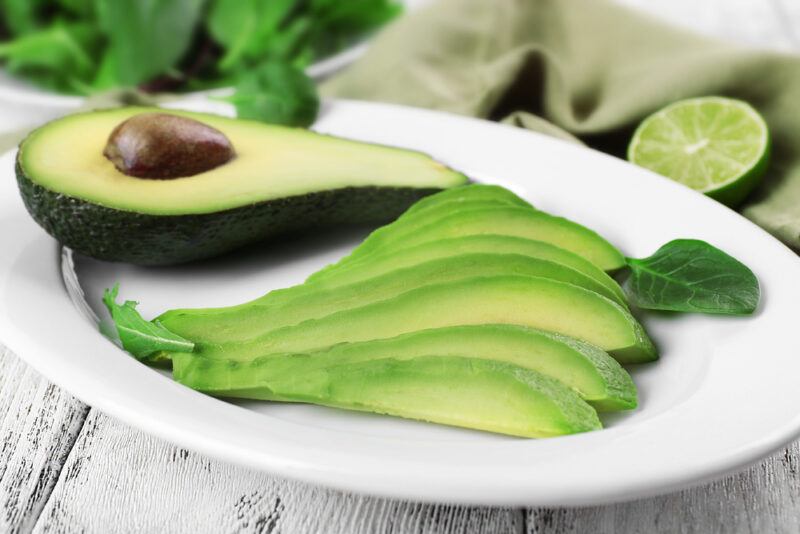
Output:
[[723, 394]]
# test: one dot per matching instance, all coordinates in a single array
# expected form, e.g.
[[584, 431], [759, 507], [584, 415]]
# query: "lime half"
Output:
[[718, 146]]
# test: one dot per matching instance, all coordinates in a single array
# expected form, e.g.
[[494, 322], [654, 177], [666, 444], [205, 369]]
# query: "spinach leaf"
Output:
[[88, 46], [141, 338], [337, 22], [689, 275], [245, 28], [278, 93], [82, 8], [20, 17], [57, 56], [147, 37]]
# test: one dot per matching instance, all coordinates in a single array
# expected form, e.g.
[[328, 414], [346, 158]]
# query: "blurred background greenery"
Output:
[[260, 47]]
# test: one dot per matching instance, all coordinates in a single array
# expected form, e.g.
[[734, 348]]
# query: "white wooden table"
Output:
[[65, 467]]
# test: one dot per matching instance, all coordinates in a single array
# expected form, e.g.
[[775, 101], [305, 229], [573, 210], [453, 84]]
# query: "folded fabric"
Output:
[[585, 68]]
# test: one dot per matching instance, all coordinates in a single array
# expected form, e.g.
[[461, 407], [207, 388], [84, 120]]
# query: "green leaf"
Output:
[[231, 24], [105, 77], [277, 93], [57, 56], [20, 16], [143, 339], [689, 275], [147, 37], [95, 45], [82, 8], [246, 28], [338, 24]]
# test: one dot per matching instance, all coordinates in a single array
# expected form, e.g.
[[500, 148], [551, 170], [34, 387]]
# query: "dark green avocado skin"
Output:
[[144, 239]]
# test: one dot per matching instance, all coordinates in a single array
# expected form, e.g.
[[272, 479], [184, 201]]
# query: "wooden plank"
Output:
[[39, 423], [119, 480], [765, 498]]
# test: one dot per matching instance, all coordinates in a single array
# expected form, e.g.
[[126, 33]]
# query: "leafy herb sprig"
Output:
[[258, 46], [688, 275], [143, 339]]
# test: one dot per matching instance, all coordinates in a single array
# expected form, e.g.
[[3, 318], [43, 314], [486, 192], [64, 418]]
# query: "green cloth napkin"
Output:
[[589, 68]]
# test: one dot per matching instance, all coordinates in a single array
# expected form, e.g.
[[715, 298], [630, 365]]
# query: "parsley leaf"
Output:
[[143, 339]]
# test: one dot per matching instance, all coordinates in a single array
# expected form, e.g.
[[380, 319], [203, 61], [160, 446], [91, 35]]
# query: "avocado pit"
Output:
[[163, 146]]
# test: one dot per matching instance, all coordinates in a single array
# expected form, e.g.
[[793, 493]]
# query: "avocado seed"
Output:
[[164, 146]]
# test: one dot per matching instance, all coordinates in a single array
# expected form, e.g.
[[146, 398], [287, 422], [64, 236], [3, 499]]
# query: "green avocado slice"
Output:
[[464, 392], [523, 300], [393, 233], [506, 220], [401, 257], [285, 307], [466, 194], [592, 373], [281, 180], [433, 208]]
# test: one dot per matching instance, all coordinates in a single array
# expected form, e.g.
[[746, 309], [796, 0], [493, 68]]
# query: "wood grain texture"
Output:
[[39, 424], [118, 480], [764, 498]]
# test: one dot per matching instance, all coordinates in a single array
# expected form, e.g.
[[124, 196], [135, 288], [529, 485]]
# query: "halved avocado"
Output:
[[280, 180]]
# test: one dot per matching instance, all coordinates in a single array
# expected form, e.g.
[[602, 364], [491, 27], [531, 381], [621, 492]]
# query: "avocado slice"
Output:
[[409, 223], [465, 392], [389, 260], [468, 193], [281, 180], [294, 305], [433, 208], [511, 220], [523, 300], [592, 373]]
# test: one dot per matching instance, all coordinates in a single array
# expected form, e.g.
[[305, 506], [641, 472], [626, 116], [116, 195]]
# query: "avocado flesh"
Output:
[[513, 221], [468, 193], [471, 393], [523, 300], [436, 206], [308, 301], [380, 263], [407, 224], [592, 373], [272, 162], [281, 180]]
